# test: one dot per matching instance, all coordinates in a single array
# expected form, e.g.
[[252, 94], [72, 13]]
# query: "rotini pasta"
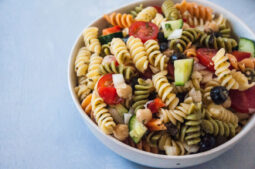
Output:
[[86, 104], [242, 80], [222, 70], [101, 114], [90, 38], [243, 64], [158, 20], [106, 50], [147, 14], [156, 58], [120, 51], [208, 87], [142, 145], [136, 10], [138, 53], [122, 20], [82, 91], [82, 61], [170, 12], [165, 89]]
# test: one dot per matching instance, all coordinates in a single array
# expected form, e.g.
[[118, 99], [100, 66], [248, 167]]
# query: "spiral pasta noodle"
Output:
[[158, 19], [82, 61], [211, 41], [207, 90], [218, 112], [101, 114], [243, 64], [136, 10], [86, 104], [165, 89], [106, 49], [141, 93], [81, 80], [82, 91], [120, 51], [191, 52], [196, 78], [199, 11], [156, 58], [128, 72], [183, 89], [242, 80], [142, 145], [188, 36], [90, 38], [122, 20], [147, 14], [93, 71], [138, 53], [222, 71], [169, 10], [191, 131]]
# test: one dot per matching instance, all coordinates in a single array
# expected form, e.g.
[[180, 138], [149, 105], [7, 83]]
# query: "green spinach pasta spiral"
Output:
[[127, 71], [189, 35], [136, 10], [218, 128], [141, 93], [165, 89], [170, 12], [106, 50], [210, 41], [191, 131], [120, 51], [101, 114], [156, 58]]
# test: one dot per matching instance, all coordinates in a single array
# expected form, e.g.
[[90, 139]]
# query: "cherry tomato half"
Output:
[[241, 55], [155, 105], [170, 69], [158, 9], [107, 91], [111, 30], [205, 57], [143, 30]]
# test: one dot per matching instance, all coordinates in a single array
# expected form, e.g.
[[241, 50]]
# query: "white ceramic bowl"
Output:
[[142, 157]]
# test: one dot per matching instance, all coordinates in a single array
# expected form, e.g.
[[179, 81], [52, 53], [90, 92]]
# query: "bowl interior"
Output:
[[239, 28]]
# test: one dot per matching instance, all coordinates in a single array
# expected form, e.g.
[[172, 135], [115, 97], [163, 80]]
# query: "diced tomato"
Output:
[[155, 125], [184, 19], [241, 55], [243, 101], [205, 56], [109, 59], [158, 9], [144, 30], [107, 91], [111, 30], [170, 68], [155, 105]]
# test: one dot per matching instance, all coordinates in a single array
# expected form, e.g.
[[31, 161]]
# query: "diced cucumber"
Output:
[[182, 71], [108, 38], [136, 129], [247, 45], [169, 26]]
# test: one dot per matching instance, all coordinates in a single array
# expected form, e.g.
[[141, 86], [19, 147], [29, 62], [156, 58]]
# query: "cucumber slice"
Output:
[[136, 129], [247, 45], [169, 26], [182, 71], [108, 38]]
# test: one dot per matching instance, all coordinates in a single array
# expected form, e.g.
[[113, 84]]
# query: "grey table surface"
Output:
[[39, 124]]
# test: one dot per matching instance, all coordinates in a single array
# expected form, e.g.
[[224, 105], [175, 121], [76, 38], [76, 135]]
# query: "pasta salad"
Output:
[[169, 79]]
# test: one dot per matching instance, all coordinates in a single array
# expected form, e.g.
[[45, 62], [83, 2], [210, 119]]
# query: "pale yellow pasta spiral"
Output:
[[178, 114], [196, 78], [176, 148], [181, 89], [90, 36], [207, 90], [158, 19], [101, 114], [242, 80], [165, 89], [93, 71], [82, 91], [156, 58], [120, 51], [218, 112], [82, 61], [138, 53], [147, 14], [222, 70]]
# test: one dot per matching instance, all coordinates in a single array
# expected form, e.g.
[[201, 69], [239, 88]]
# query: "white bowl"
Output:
[[142, 157]]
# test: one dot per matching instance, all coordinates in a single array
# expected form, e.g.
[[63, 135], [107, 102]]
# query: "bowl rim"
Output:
[[225, 145]]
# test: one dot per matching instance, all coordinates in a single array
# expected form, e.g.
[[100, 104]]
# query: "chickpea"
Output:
[[124, 91], [144, 115], [196, 95], [120, 132]]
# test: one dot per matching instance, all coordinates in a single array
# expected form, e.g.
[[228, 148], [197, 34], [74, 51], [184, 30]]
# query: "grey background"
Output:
[[39, 124]]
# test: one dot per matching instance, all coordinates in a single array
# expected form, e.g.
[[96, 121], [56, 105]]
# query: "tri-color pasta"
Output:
[[165, 82]]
